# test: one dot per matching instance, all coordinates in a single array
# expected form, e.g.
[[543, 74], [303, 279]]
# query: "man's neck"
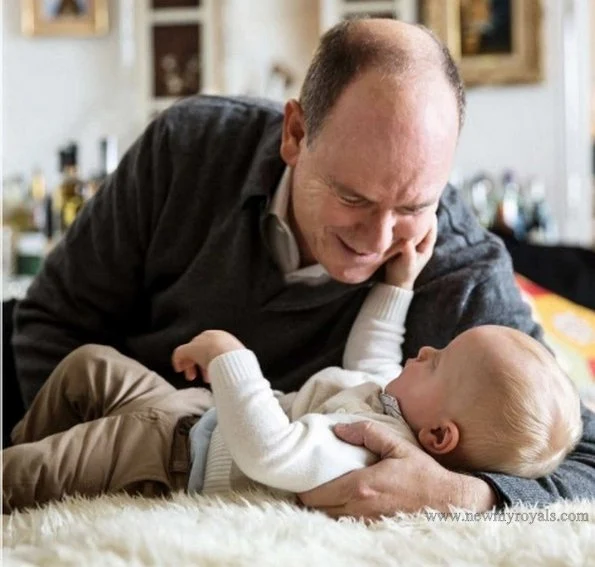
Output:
[[306, 256]]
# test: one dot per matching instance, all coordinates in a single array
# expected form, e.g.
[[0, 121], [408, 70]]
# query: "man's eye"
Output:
[[413, 212], [351, 200]]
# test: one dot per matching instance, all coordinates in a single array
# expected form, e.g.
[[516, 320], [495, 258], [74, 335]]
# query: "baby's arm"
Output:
[[374, 343], [294, 456]]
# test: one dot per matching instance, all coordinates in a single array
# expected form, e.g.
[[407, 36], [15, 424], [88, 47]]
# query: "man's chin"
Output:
[[351, 275]]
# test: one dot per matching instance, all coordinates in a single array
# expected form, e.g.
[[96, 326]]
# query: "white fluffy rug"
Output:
[[257, 530]]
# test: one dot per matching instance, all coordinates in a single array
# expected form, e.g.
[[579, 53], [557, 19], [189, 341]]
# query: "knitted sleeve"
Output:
[[374, 343], [294, 456]]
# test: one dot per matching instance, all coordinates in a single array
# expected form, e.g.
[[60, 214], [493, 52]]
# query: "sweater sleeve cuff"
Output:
[[387, 302], [235, 367]]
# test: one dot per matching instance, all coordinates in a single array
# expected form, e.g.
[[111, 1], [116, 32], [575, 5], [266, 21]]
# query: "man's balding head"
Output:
[[404, 52], [371, 145]]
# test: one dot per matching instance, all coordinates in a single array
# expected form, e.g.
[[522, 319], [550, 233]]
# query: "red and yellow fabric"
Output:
[[569, 330]]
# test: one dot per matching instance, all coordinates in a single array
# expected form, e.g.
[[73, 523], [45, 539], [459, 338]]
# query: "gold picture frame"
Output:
[[512, 52], [79, 18]]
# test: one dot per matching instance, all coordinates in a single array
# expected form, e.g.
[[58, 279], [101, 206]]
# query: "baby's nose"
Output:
[[424, 352]]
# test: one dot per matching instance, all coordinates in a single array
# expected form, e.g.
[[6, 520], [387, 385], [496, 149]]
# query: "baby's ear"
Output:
[[440, 440]]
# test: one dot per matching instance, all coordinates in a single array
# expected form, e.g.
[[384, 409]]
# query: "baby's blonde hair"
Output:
[[521, 415]]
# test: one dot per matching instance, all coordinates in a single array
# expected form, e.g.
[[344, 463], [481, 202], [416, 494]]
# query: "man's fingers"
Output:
[[380, 440], [353, 511], [334, 512], [329, 494]]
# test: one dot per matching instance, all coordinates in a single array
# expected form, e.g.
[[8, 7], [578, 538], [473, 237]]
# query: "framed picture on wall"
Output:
[[176, 60], [157, 4], [493, 41], [64, 17]]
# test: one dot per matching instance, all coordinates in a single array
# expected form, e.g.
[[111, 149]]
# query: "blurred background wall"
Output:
[[57, 89]]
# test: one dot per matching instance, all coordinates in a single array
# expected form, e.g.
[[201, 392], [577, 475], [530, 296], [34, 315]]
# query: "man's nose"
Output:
[[379, 233]]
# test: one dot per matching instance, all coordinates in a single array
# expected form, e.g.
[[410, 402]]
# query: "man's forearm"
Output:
[[477, 494], [39, 344]]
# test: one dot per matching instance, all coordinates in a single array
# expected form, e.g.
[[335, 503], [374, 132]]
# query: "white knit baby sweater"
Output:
[[286, 441]]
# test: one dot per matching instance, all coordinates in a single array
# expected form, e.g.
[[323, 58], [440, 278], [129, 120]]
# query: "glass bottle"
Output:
[[108, 161], [71, 189]]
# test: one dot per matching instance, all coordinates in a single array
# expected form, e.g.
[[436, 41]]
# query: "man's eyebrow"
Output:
[[347, 189], [356, 193], [419, 206]]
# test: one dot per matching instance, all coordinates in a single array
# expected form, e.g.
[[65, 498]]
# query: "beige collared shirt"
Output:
[[283, 243]]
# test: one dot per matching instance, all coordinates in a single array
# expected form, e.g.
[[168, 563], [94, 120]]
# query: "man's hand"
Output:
[[402, 270], [405, 480], [201, 350]]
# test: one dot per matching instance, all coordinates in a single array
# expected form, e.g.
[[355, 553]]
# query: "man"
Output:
[[204, 225]]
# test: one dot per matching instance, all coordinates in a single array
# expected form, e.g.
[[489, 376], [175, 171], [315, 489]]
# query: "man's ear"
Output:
[[294, 131], [439, 440]]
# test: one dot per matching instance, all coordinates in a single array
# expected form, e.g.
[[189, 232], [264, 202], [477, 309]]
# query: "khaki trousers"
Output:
[[101, 423]]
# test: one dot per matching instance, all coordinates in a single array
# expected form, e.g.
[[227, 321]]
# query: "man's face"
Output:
[[372, 178]]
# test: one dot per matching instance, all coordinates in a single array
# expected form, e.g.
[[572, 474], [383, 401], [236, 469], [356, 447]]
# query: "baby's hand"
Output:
[[403, 269], [201, 350]]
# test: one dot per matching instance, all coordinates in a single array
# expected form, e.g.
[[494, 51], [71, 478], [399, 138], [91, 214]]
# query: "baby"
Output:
[[494, 399]]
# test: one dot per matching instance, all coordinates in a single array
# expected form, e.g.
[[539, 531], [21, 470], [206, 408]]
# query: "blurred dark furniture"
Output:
[[13, 407], [565, 270]]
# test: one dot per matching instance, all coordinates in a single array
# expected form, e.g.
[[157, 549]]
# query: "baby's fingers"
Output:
[[182, 362], [429, 240], [185, 365], [407, 256], [190, 373]]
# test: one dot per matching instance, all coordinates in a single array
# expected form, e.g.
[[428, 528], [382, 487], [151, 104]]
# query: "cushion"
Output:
[[569, 331]]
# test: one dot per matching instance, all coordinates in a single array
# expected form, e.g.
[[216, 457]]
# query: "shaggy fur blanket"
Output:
[[259, 530]]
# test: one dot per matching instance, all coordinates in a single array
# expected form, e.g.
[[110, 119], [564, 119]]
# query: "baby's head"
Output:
[[494, 400]]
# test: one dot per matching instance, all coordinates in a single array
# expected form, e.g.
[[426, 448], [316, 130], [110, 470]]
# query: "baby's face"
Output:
[[428, 381]]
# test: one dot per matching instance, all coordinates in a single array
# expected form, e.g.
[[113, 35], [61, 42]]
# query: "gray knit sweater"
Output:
[[172, 244]]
